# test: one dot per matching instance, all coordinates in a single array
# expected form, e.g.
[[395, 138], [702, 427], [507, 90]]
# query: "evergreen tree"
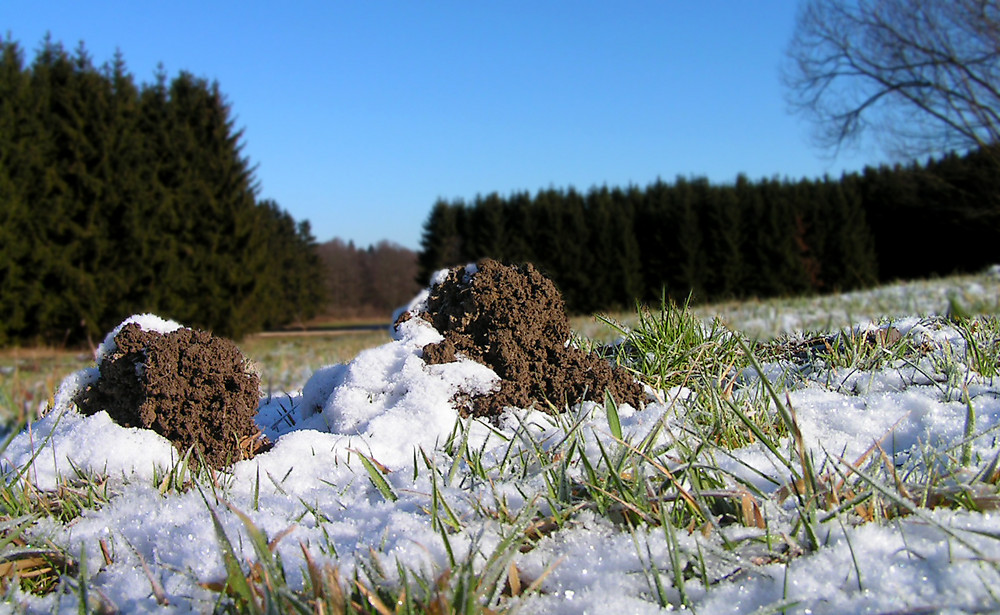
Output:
[[116, 199], [725, 238], [603, 276], [518, 215], [18, 152], [688, 261], [627, 286], [849, 260], [656, 239], [761, 279], [571, 258], [440, 244], [487, 237]]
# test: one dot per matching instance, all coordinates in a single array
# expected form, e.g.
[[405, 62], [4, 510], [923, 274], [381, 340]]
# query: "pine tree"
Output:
[[518, 215], [761, 280], [602, 278], [486, 235], [689, 259], [628, 286], [656, 240], [572, 260], [18, 294], [725, 237], [440, 244]]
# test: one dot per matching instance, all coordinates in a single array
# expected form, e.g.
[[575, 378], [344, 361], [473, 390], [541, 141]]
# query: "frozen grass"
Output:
[[286, 363], [29, 377], [695, 512], [769, 318]]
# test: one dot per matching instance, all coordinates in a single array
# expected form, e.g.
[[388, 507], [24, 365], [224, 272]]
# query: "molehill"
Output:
[[512, 319], [191, 387]]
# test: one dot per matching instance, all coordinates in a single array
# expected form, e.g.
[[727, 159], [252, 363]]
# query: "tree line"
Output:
[[366, 283], [118, 197], [607, 248]]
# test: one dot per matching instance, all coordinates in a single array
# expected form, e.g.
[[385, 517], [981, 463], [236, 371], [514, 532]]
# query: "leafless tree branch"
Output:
[[925, 74]]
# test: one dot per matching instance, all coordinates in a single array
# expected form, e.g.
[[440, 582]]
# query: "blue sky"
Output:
[[359, 115]]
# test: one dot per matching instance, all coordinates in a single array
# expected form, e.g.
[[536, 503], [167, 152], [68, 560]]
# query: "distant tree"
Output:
[[441, 242], [603, 276], [367, 282], [19, 168], [725, 236], [849, 261], [689, 260], [656, 239], [116, 199], [287, 285], [392, 270], [567, 257], [518, 228], [341, 276], [627, 284], [925, 73], [486, 236]]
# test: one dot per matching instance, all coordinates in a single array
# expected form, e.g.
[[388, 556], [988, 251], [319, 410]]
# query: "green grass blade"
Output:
[[236, 580], [377, 479], [614, 423]]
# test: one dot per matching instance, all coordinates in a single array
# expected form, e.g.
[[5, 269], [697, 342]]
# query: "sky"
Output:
[[358, 116]]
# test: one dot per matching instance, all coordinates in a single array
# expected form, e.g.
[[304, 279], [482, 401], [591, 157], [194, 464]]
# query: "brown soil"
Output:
[[189, 386], [513, 320]]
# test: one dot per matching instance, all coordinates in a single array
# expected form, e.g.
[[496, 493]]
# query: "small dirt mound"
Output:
[[512, 319], [191, 387]]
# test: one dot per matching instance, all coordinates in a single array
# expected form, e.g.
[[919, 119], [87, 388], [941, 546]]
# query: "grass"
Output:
[[286, 362], [764, 319], [663, 484]]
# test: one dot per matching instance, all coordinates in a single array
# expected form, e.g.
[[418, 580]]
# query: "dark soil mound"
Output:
[[189, 386], [513, 320]]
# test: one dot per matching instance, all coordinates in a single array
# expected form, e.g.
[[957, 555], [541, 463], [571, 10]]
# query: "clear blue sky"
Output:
[[359, 115]]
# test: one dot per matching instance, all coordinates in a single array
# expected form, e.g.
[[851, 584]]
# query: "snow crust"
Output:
[[392, 408]]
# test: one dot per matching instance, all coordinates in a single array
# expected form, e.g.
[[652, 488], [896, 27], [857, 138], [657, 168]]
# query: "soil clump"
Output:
[[191, 387], [512, 319]]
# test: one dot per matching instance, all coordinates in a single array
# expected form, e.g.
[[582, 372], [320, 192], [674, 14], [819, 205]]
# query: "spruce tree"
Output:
[[487, 238], [18, 294], [725, 238], [656, 239], [850, 261], [117, 199], [689, 259], [628, 286], [519, 226], [603, 276], [440, 243]]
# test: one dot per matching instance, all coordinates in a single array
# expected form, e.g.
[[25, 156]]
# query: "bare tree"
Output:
[[922, 74], [367, 282]]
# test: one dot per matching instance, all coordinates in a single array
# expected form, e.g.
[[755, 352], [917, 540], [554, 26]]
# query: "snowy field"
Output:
[[859, 477]]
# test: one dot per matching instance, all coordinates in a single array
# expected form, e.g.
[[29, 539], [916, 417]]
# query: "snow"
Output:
[[147, 322], [393, 409]]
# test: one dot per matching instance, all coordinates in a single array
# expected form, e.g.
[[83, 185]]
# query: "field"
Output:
[[856, 476], [28, 377]]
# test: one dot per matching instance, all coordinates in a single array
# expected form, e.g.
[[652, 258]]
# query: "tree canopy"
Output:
[[119, 198], [608, 247]]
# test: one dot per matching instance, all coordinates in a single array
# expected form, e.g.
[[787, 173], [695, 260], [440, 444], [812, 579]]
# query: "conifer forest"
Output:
[[119, 197], [608, 247]]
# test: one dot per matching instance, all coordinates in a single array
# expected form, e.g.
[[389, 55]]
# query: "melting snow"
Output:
[[391, 407]]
